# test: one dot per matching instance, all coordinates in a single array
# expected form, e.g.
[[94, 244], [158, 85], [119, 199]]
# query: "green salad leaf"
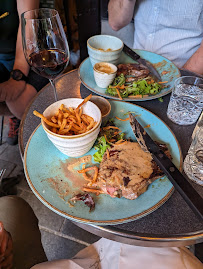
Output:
[[101, 147], [139, 87]]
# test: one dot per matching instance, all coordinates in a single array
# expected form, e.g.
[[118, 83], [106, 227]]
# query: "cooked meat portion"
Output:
[[126, 171], [136, 71]]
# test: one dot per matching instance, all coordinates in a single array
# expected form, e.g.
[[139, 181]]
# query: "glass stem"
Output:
[[54, 87]]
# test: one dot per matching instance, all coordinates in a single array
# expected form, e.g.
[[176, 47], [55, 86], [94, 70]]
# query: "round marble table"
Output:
[[174, 223]]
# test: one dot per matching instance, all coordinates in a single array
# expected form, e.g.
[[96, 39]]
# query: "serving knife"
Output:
[[132, 54], [181, 184]]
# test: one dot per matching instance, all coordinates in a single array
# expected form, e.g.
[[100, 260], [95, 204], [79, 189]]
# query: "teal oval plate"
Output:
[[167, 70], [49, 175]]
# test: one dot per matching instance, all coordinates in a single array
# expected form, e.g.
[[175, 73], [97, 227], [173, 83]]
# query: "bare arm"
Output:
[[120, 13], [10, 90], [20, 61], [195, 63]]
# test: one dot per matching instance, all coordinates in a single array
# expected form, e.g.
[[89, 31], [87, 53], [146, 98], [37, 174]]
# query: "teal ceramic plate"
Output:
[[52, 178], [167, 70]]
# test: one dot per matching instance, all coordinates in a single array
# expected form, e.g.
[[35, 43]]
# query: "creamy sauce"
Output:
[[103, 67], [62, 188]]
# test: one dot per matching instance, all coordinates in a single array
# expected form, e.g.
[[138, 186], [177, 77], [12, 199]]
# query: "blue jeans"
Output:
[[6, 65]]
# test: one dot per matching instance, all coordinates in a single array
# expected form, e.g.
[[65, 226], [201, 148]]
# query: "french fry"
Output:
[[96, 171], [65, 110], [60, 117], [54, 130], [88, 118], [63, 124], [78, 117], [66, 130], [66, 114], [80, 112], [76, 127], [83, 117], [45, 119], [61, 107], [90, 126], [84, 101], [54, 119], [72, 118], [72, 111], [84, 127]]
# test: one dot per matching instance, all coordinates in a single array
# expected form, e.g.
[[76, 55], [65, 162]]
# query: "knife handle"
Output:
[[129, 52], [186, 190]]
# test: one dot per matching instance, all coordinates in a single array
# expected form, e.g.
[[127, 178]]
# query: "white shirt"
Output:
[[171, 28], [106, 254]]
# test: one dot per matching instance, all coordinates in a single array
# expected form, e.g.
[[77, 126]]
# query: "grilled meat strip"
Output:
[[133, 70]]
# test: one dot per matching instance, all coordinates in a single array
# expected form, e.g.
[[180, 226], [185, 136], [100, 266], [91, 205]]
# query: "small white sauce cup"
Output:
[[104, 78]]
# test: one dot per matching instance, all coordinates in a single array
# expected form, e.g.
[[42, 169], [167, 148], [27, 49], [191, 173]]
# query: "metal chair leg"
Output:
[[2, 127]]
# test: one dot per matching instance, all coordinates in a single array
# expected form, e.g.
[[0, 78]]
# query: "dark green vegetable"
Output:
[[119, 81], [102, 141]]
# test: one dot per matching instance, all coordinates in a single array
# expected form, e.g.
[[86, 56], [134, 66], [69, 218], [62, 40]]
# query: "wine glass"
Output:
[[44, 43]]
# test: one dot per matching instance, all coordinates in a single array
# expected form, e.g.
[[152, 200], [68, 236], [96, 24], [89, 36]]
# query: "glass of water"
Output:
[[186, 102], [193, 163]]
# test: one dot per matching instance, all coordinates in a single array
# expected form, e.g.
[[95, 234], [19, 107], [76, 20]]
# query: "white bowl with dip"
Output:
[[104, 74]]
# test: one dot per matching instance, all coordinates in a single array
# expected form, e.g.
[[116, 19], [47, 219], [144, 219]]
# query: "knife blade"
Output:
[[181, 184], [142, 61]]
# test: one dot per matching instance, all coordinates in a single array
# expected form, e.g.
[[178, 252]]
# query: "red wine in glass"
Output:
[[48, 63], [44, 43]]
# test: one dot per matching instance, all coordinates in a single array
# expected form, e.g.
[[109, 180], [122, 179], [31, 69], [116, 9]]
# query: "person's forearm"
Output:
[[20, 61], [195, 63], [120, 13]]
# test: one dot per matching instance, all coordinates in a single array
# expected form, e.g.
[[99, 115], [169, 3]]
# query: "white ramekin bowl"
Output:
[[103, 79], [74, 145]]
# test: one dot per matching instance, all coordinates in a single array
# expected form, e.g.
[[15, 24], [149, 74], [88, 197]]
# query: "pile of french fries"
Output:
[[69, 121]]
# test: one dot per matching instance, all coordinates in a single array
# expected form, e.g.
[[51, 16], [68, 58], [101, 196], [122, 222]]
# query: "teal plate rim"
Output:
[[94, 88], [102, 222]]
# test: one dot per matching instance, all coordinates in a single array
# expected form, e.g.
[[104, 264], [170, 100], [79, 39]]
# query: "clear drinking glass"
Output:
[[193, 163], [44, 43], [186, 101]]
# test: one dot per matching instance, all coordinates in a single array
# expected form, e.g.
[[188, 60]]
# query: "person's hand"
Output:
[[6, 249], [11, 90]]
